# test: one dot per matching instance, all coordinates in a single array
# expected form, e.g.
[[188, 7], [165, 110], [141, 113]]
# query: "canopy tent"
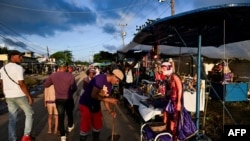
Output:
[[240, 50], [224, 29], [101, 64], [217, 32]]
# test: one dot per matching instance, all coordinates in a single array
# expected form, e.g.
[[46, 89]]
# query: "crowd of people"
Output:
[[60, 87], [97, 86]]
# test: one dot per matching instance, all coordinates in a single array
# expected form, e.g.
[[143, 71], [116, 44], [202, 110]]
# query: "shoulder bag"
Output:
[[9, 76]]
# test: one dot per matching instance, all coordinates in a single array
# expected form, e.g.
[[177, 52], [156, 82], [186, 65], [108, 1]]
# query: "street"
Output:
[[125, 125]]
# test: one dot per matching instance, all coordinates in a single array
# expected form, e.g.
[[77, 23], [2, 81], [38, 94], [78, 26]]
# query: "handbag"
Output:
[[170, 107], [186, 127]]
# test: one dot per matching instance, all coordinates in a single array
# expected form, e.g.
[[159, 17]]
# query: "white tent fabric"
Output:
[[240, 50]]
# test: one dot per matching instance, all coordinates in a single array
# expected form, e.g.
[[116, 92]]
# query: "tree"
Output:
[[3, 50], [63, 56], [104, 57]]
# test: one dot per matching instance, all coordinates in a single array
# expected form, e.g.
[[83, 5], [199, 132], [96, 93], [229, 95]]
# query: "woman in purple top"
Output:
[[97, 90], [65, 86]]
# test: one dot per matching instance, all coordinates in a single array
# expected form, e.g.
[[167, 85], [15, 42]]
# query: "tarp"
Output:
[[225, 31], [239, 50]]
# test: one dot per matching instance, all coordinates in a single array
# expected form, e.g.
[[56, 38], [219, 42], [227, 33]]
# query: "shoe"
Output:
[[71, 128], [26, 138], [63, 138]]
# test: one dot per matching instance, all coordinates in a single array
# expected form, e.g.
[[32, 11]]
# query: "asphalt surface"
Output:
[[125, 124]]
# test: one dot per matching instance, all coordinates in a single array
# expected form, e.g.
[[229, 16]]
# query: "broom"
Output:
[[113, 137]]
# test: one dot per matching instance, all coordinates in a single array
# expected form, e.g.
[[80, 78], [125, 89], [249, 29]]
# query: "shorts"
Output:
[[51, 107]]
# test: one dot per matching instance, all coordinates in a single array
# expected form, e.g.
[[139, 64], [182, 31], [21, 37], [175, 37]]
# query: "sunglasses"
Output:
[[168, 67]]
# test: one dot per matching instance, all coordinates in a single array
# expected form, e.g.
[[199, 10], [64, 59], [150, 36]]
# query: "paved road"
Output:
[[125, 125]]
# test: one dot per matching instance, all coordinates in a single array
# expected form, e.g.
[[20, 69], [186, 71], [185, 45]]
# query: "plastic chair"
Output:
[[147, 133]]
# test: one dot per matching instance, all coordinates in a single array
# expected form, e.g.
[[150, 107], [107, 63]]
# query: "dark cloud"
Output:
[[45, 17], [109, 28], [109, 9]]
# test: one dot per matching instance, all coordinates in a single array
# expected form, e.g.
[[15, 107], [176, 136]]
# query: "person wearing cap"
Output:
[[17, 95], [97, 91], [65, 86], [174, 86]]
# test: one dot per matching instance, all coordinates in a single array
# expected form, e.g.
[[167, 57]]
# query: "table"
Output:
[[189, 100], [133, 97], [148, 113]]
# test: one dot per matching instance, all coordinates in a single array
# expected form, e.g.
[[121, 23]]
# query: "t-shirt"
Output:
[[98, 81], [64, 83], [129, 76], [10, 88]]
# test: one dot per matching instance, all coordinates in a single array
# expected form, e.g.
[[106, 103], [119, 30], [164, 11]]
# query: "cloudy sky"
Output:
[[84, 27]]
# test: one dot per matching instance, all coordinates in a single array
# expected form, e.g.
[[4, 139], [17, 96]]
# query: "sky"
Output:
[[84, 27]]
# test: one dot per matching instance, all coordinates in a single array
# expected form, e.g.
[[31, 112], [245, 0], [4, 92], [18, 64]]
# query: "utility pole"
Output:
[[172, 7], [123, 33], [48, 51]]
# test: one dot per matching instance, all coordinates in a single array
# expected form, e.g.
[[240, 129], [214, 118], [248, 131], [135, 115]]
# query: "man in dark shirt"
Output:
[[65, 86]]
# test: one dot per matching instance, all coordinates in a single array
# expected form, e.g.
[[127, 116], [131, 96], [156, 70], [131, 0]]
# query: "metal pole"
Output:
[[198, 86]]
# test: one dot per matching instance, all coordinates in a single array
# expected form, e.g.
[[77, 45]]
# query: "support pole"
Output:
[[198, 86]]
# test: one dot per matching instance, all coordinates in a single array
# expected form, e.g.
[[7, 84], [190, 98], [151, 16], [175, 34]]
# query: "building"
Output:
[[29, 63]]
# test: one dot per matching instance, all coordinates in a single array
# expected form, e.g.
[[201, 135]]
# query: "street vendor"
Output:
[[227, 75], [175, 87], [174, 109]]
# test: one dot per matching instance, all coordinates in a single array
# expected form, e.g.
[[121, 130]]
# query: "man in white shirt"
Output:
[[17, 95]]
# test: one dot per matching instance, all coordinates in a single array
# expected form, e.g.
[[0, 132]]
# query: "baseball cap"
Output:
[[118, 73], [15, 52]]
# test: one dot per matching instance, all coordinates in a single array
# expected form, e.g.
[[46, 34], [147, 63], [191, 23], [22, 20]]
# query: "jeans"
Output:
[[13, 106], [64, 105], [69, 111]]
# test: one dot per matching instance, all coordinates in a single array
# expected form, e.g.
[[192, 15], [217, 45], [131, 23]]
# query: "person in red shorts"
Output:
[[97, 91]]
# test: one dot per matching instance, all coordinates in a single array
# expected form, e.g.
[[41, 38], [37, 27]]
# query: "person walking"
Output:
[[71, 102], [17, 95], [65, 85], [49, 102], [97, 91]]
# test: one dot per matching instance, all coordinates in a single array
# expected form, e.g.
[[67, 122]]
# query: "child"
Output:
[[49, 101]]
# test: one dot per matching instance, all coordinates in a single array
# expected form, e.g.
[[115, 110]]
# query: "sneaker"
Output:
[[26, 138], [71, 128], [63, 138]]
